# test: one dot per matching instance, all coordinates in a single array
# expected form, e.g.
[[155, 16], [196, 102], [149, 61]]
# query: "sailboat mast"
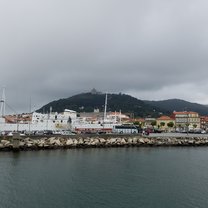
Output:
[[3, 98], [105, 110]]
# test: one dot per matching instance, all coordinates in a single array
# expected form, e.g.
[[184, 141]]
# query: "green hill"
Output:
[[179, 105], [87, 102]]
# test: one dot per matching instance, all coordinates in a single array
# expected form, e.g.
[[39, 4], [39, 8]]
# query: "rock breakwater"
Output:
[[11, 144]]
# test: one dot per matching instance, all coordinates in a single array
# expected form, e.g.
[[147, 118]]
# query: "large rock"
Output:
[[147, 140], [80, 141], [135, 140], [21, 144], [96, 141], [123, 141], [69, 142], [41, 143], [191, 141], [86, 140], [52, 140], [112, 141], [141, 140], [129, 140], [75, 142], [29, 144], [58, 142], [102, 141], [5, 143]]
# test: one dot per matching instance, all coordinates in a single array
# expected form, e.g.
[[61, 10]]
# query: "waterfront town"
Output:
[[65, 130], [99, 122], [96, 122], [72, 129]]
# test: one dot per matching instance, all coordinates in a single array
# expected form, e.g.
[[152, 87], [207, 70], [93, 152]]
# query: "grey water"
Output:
[[169, 177]]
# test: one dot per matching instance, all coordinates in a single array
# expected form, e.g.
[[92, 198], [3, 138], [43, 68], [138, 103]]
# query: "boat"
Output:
[[102, 125]]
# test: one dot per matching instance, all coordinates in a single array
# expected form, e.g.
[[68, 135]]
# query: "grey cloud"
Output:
[[54, 49]]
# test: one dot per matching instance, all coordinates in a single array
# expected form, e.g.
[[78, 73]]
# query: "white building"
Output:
[[39, 121]]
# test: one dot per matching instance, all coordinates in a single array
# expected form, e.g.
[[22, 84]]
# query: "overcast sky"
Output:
[[150, 49]]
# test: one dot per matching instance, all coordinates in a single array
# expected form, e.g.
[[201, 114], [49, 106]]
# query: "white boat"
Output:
[[104, 125]]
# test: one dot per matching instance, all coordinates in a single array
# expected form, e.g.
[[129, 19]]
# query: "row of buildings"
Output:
[[181, 121], [184, 120]]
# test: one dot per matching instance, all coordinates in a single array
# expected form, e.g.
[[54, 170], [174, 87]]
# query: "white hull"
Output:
[[30, 127], [93, 127]]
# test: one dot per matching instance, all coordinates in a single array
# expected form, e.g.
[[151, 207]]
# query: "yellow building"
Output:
[[164, 123], [186, 119]]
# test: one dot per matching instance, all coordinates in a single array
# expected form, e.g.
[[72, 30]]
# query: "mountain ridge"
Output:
[[176, 104], [87, 102]]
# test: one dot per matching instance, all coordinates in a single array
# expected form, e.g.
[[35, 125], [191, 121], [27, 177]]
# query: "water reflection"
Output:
[[111, 177]]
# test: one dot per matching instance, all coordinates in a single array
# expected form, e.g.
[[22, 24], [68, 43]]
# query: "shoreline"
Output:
[[97, 141]]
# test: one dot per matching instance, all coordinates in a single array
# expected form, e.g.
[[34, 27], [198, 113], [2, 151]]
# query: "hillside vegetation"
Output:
[[179, 105], [87, 102]]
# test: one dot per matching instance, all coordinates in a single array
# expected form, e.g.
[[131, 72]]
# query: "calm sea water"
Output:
[[110, 178]]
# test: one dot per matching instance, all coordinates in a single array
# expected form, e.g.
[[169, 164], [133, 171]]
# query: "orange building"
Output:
[[186, 119], [204, 122], [163, 123]]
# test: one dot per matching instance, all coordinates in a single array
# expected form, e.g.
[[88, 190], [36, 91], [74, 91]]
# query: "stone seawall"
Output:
[[79, 141]]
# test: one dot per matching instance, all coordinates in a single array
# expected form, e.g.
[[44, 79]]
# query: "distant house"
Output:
[[164, 121], [186, 119], [138, 121], [98, 116], [204, 122], [117, 116], [149, 122]]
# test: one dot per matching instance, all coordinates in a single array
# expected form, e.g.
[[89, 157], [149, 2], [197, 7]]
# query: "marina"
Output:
[[53, 121]]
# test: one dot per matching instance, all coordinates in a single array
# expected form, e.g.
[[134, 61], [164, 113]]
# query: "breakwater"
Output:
[[84, 141]]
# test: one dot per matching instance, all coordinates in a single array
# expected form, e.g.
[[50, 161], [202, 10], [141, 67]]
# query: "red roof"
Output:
[[204, 118], [184, 112], [165, 118]]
